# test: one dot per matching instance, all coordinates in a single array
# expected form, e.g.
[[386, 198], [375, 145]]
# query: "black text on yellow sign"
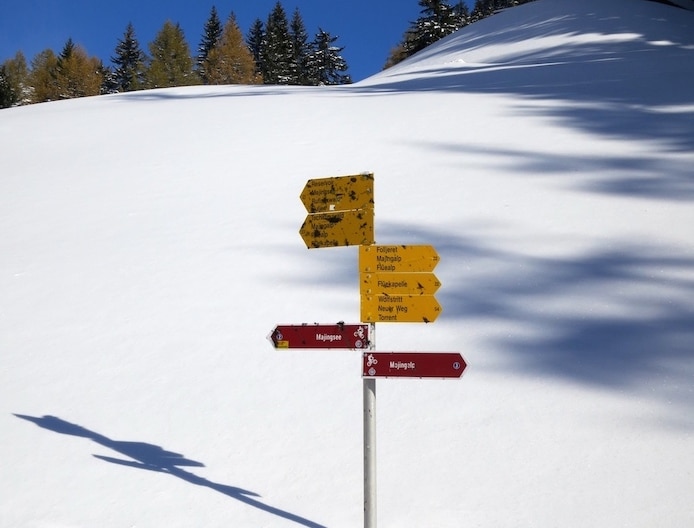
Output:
[[399, 308], [341, 211], [385, 283], [342, 228], [397, 258], [342, 193]]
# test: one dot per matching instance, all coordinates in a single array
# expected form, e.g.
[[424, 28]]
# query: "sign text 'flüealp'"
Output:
[[396, 284]]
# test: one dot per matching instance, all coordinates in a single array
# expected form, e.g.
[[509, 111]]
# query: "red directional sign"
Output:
[[412, 365], [338, 335]]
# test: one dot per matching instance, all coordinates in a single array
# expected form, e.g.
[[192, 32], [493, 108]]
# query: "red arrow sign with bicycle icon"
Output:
[[413, 365], [337, 335]]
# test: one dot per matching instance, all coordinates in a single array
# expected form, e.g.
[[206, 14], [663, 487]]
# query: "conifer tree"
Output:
[[397, 54], [42, 77], [277, 54], [108, 80], [62, 71], [255, 40], [76, 74], [485, 8], [230, 61], [301, 48], [481, 9], [437, 19], [212, 33], [461, 14], [7, 95], [14, 81], [325, 65], [67, 51], [129, 61], [170, 61]]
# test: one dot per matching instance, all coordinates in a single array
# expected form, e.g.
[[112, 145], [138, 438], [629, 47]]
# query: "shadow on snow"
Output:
[[649, 175], [611, 83], [618, 316], [142, 455]]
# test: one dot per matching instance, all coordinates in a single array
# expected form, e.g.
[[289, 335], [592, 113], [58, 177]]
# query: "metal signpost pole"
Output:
[[369, 389]]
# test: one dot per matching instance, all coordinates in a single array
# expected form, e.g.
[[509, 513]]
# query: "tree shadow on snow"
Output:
[[142, 455], [603, 83], [650, 175], [618, 315]]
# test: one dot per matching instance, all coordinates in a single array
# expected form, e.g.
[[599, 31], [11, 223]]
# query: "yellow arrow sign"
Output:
[[398, 283], [399, 308], [342, 193], [397, 258], [342, 228]]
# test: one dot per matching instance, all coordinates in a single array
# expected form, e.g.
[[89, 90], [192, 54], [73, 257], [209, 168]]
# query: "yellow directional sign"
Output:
[[397, 258], [399, 308], [342, 193], [342, 228], [412, 283]]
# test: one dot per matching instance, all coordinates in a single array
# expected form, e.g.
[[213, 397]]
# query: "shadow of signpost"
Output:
[[152, 457]]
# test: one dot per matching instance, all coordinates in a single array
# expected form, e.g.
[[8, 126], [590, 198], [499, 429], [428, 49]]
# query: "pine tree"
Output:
[[7, 96], [437, 19], [210, 38], [14, 82], [397, 54], [301, 48], [230, 61], [42, 77], [76, 74], [109, 85], [486, 8], [325, 63], [277, 54], [482, 9], [62, 71], [129, 73], [461, 13], [255, 40], [170, 61]]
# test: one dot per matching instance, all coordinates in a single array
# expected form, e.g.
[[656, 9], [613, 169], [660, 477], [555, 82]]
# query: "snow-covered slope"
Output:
[[149, 244]]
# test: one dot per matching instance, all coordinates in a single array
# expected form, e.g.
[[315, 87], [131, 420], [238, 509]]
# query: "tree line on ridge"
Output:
[[278, 51]]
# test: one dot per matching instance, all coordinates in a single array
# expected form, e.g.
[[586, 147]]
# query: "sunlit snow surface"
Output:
[[149, 244]]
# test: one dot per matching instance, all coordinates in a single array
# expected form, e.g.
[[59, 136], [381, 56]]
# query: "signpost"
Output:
[[341, 211], [340, 335], [396, 285], [395, 258], [341, 228], [339, 194], [412, 365], [399, 308]]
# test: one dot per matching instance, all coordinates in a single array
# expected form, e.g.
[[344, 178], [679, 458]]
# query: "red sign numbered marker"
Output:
[[321, 336], [413, 365]]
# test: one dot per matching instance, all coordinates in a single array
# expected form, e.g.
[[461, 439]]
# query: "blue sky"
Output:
[[367, 29]]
